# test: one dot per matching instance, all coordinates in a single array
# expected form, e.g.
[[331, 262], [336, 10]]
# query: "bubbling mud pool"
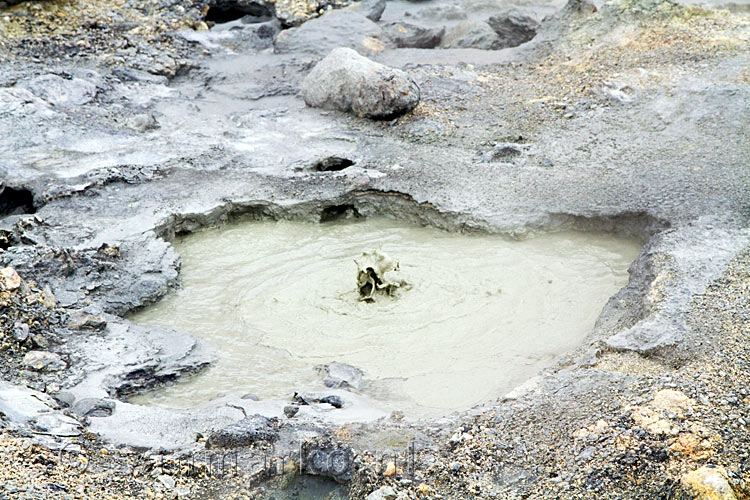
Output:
[[484, 313]]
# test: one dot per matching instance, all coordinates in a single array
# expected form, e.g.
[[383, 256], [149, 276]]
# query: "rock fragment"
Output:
[[340, 375], [513, 27], [347, 81], [247, 431], [9, 278], [94, 407], [412, 36], [43, 361], [371, 9], [291, 410], [383, 493]]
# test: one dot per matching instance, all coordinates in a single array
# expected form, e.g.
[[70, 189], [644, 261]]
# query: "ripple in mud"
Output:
[[483, 313]]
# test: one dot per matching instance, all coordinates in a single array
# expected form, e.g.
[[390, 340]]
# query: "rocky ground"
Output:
[[126, 123]]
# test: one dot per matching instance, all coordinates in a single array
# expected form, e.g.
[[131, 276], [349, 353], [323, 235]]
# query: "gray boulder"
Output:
[[471, 35], [347, 81], [513, 27], [411, 36], [339, 28], [247, 431]]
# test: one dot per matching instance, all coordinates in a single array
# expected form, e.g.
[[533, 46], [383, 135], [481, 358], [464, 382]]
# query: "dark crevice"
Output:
[[332, 164], [16, 201], [336, 212], [224, 11]]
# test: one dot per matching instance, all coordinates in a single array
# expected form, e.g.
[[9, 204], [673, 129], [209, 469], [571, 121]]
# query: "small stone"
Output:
[[167, 481], [250, 396], [21, 332], [43, 361], [81, 320], [384, 493], [9, 278], [390, 469], [291, 410]]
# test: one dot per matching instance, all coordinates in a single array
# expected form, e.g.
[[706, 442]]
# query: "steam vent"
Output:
[[375, 249]]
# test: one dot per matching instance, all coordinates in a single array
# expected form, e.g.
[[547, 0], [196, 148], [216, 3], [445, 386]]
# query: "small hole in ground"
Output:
[[332, 164], [226, 11], [336, 212], [16, 201]]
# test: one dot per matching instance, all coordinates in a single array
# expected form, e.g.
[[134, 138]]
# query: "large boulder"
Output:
[[471, 35], [339, 28], [513, 27], [347, 81]]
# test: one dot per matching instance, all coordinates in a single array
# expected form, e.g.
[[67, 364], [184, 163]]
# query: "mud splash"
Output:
[[483, 314]]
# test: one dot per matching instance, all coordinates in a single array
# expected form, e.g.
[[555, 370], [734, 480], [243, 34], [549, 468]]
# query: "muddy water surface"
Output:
[[483, 314]]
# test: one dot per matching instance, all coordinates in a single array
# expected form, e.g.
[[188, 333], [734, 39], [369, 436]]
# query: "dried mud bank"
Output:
[[139, 124]]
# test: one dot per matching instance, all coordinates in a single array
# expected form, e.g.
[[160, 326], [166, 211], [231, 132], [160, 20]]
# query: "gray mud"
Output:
[[123, 128]]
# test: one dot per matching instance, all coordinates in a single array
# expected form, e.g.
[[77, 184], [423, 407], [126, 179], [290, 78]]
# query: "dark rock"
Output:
[[411, 36], [291, 410], [330, 31], [471, 35], [503, 152], [327, 460], [347, 81], [94, 407], [332, 164], [250, 396], [247, 431], [15, 201], [513, 27], [334, 401], [299, 399], [222, 11]]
